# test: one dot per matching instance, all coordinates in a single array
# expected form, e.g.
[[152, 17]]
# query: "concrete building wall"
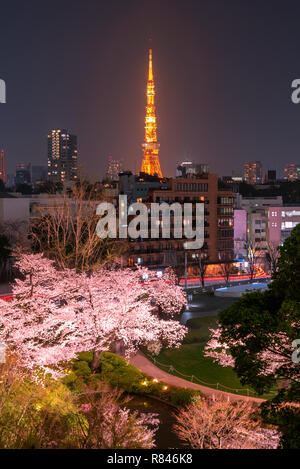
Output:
[[14, 209]]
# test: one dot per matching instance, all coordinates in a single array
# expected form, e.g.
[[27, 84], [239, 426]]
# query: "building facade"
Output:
[[114, 167], [240, 234], [138, 188], [253, 172], [62, 156], [23, 173], [281, 221], [251, 215], [270, 176], [292, 172], [218, 225]]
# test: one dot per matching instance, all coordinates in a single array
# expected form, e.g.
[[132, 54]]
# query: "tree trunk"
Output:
[[96, 360]]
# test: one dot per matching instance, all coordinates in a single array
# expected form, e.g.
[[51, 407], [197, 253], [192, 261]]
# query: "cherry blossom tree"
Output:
[[54, 314], [223, 425], [112, 425]]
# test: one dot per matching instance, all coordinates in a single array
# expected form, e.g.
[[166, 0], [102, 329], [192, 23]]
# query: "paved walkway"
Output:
[[147, 367]]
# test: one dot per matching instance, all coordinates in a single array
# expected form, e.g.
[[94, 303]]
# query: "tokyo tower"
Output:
[[150, 163]]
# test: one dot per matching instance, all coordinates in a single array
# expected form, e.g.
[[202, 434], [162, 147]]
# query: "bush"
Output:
[[118, 372], [36, 411], [86, 357], [81, 368], [181, 396]]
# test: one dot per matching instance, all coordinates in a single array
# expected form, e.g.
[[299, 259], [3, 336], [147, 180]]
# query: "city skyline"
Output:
[[223, 92]]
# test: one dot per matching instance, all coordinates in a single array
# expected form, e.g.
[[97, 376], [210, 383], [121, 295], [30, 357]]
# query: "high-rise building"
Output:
[[270, 176], [114, 167], [150, 163], [3, 174], [253, 172], [292, 172], [23, 173], [62, 156]]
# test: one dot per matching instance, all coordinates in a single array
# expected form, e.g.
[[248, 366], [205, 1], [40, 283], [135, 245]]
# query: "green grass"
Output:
[[189, 359]]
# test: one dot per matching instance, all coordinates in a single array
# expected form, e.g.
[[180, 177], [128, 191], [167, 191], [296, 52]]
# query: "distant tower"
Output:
[[3, 174], [150, 164]]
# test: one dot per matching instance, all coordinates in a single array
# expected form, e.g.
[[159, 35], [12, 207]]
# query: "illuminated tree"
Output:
[[56, 314], [223, 425], [112, 425]]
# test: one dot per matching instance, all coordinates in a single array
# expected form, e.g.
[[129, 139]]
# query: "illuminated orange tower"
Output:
[[150, 163]]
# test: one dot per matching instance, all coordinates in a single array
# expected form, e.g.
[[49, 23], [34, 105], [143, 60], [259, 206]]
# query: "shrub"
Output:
[[181, 396], [36, 411], [81, 368], [86, 357], [118, 372]]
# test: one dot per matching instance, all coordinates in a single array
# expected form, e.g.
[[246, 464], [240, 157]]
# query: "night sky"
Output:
[[223, 71]]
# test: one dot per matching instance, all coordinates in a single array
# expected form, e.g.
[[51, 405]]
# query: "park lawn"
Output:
[[189, 360]]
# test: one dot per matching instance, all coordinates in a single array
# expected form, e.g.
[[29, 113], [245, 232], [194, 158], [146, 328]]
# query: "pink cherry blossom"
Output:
[[56, 314]]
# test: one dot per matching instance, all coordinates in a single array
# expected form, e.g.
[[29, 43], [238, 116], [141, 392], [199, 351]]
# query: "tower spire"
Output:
[[150, 74], [150, 163]]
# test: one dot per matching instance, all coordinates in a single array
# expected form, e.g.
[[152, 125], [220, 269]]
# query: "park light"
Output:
[[144, 383], [165, 388], [155, 380]]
